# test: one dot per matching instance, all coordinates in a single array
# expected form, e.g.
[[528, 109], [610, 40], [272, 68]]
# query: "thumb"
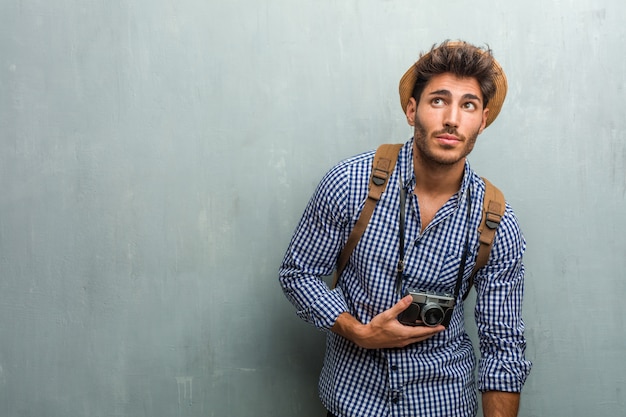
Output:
[[401, 305]]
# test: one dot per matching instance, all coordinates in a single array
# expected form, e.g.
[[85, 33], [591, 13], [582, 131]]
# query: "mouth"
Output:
[[447, 139]]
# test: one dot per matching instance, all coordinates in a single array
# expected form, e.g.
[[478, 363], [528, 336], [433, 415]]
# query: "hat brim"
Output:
[[407, 84]]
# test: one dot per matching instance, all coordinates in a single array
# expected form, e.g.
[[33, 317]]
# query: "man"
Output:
[[375, 365]]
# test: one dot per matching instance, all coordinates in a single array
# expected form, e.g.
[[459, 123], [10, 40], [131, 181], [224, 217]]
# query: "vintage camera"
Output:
[[428, 308]]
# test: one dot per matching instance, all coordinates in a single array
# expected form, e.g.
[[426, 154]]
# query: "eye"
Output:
[[470, 105], [438, 102]]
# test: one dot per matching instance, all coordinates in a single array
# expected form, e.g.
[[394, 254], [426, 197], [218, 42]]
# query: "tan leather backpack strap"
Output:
[[494, 206], [384, 163]]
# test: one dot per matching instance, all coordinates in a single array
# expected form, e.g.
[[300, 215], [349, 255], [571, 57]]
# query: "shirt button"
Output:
[[395, 396], [394, 367]]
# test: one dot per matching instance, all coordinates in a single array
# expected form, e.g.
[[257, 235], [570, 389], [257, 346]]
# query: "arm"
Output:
[[500, 404], [313, 251], [503, 367]]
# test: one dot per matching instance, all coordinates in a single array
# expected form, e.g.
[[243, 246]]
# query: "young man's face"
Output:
[[448, 118]]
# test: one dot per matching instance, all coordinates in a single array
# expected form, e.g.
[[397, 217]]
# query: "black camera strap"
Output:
[[459, 280], [402, 219], [400, 269]]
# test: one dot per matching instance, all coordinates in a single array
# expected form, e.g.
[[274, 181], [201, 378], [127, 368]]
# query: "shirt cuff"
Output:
[[325, 310], [507, 376]]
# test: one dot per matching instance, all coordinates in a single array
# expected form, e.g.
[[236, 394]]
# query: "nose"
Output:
[[451, 117]]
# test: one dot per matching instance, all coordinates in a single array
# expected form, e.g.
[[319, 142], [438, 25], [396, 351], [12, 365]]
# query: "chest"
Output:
[[427, 208]]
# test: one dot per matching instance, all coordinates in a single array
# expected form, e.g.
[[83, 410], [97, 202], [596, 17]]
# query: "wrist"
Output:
[[348, 327], [500, 404]]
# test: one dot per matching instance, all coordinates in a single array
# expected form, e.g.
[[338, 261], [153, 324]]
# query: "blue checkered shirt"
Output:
[[430, 378]]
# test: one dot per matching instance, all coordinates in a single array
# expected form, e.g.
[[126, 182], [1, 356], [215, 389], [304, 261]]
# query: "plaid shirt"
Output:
[[430, 378]]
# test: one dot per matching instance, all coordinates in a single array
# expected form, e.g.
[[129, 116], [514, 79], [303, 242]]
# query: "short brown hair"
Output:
[[461, 59]]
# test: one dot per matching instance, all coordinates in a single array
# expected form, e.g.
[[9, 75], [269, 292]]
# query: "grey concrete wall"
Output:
[[156, 155]]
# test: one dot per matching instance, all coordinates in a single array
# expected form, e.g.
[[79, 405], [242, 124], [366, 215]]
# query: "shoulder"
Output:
[[355, 169], [342, 185], [354, 164], [358, 168]]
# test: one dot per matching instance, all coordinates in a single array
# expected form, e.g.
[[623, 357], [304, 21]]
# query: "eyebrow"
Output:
[[447, 93]]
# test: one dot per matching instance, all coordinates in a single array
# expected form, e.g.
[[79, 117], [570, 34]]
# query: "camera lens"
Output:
[[432, 315]]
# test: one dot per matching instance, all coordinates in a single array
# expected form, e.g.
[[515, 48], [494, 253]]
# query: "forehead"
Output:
[[454, 85]]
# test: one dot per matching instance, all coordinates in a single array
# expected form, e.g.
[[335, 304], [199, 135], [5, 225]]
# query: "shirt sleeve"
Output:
[[500, 288], [313, 252]]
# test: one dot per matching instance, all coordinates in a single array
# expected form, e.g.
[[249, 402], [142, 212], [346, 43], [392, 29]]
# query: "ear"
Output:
[[411, 109], [483, 125]]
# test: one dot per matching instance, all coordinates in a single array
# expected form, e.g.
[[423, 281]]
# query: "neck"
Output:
[[434, 178]]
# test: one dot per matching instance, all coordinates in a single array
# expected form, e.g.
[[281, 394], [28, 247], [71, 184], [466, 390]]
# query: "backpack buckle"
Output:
[[492, 220], [379, 177]]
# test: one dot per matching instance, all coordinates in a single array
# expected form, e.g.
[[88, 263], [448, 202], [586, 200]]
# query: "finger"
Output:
[[401, 305], [426, 333]]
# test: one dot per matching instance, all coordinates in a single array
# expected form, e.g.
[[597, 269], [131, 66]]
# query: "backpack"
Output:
[[384, 163]]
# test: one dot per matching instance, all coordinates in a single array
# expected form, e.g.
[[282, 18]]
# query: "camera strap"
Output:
[[400, 269], [459, 280], [402, 219]]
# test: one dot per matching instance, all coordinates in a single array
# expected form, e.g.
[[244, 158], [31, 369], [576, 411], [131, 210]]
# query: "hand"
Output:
[[384, 331]]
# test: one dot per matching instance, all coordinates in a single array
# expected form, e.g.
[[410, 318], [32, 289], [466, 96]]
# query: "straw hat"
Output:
[[407, 84]]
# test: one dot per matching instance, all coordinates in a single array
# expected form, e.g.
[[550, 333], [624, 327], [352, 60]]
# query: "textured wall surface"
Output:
[[155, 157]]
